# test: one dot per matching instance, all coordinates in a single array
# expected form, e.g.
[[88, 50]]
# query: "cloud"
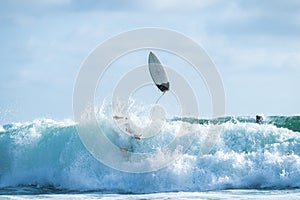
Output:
[[41, 2], [176, 5]]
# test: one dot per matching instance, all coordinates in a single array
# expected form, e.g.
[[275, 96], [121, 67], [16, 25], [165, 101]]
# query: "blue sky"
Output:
[[254, 44]]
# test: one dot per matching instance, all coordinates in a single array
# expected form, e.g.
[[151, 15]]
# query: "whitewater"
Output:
[[46, 157]]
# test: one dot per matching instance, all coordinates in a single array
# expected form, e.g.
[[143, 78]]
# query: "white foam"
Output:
[[1, 129]]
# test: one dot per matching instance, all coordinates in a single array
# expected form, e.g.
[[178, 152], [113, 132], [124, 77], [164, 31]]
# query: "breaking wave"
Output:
[[47, 153]]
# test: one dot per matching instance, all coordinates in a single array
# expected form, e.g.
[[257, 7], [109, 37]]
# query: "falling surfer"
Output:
[[159, 77], [126, 125]]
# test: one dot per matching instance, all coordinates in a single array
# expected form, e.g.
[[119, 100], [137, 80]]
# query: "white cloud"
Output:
[[176, 5], [238, 56], [45, 2], [292, 61]]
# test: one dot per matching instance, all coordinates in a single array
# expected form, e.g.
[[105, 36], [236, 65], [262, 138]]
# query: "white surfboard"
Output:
[[158, 73]]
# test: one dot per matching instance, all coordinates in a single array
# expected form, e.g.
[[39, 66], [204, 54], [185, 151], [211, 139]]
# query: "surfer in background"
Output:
[[259, 119]]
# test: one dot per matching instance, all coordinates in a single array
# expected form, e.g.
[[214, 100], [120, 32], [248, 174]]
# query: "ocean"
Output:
[[46, 159]]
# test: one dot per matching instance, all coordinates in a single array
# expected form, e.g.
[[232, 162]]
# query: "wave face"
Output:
[[47, 153]]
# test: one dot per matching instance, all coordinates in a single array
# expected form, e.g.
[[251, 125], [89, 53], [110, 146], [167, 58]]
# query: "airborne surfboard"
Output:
[[158, 73]]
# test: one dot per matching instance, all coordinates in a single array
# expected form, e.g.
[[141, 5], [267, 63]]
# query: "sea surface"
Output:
[[46, 159]]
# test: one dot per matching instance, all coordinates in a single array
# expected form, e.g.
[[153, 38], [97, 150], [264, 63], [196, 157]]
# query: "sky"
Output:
[[255, 46]]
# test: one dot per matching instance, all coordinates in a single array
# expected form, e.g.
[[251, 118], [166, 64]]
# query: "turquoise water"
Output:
[[46, 159]]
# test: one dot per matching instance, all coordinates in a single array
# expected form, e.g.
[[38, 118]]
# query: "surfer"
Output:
[[259, 119], [159, 77], [128, 128]]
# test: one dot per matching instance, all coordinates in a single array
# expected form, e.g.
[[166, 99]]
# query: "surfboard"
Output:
[[158, 73]]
